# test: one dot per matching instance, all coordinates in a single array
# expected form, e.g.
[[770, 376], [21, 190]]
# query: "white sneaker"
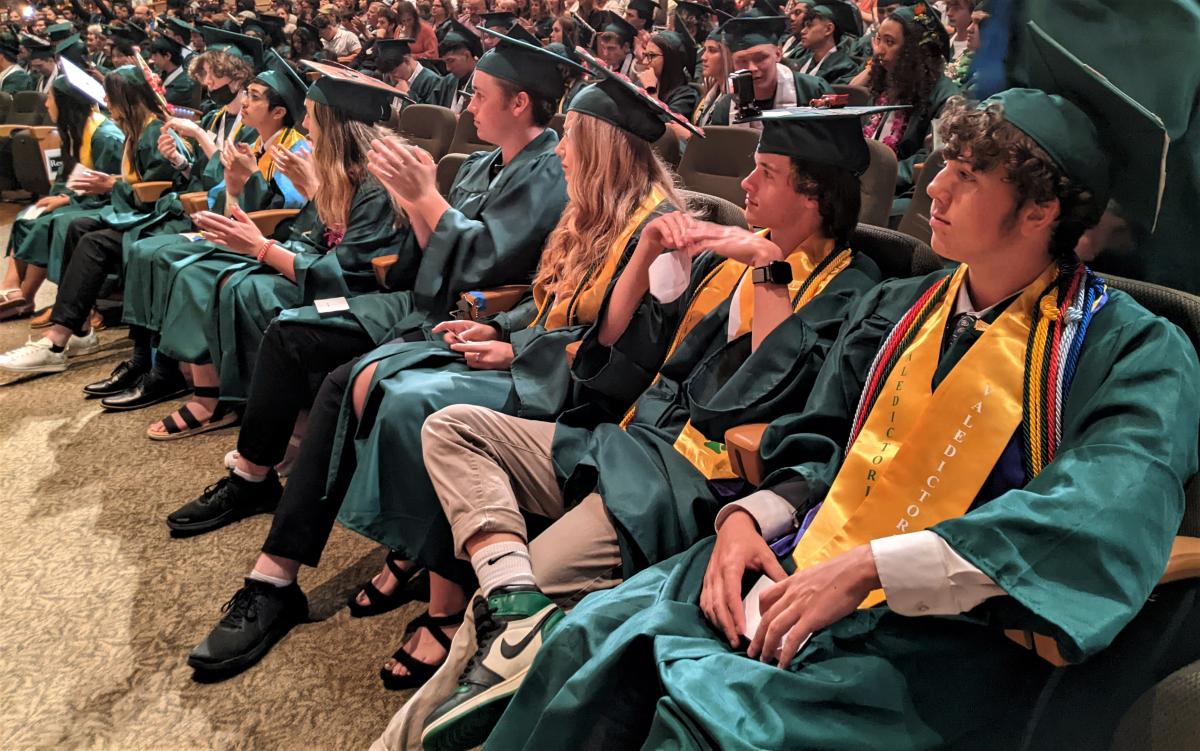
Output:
[[34, 357], [83, 345]]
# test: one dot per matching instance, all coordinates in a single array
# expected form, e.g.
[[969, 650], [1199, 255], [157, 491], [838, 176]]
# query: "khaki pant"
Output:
[[487, 467]]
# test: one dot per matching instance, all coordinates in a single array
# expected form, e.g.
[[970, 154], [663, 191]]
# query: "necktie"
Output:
[[963, 322]]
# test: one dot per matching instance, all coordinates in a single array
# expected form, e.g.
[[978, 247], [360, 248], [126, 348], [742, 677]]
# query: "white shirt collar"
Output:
[[963, 303]]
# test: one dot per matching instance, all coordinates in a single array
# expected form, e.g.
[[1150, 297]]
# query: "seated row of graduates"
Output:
[[435, 437]]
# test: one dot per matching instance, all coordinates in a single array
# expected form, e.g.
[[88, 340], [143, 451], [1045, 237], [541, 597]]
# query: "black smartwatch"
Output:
[[775, 272]]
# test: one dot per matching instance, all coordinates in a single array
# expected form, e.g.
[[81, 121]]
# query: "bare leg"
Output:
[[200, 407], [445, 598]]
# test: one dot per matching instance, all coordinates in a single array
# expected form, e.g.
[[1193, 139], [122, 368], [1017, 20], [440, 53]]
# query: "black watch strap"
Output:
[[775, 272]]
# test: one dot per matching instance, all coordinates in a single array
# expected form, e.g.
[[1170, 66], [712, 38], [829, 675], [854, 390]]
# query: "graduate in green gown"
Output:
[[348, 220], [519, 359], [171, 279], [753, 44], [13, 77], [825, 30], [1006, 425], [750, 346], [166, 55], [89, 138], [395, 64]]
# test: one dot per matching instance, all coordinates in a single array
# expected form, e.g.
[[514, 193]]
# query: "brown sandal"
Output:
[[223, 416]]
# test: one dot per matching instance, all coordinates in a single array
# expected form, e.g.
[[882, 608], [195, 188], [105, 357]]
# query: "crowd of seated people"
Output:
[[1000, 444]]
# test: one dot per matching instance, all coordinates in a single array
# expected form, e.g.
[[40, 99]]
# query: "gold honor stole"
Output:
[[584, 304], [128, 169], [94, 121], [286, 138], [732, 277], [922, 455]]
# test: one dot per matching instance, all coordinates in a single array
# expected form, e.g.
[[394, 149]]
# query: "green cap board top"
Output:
[[527, 66], [620, 102], [355, 95], [831, 136]]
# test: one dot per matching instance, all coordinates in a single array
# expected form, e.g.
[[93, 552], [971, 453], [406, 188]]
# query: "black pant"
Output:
[[95, 252], [291, 356]]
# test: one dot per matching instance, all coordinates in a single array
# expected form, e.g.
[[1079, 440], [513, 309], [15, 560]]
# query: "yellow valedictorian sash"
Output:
[[733, 278], [128, 168], [922, 455], [583, 306], [286, 138], [94, 121]]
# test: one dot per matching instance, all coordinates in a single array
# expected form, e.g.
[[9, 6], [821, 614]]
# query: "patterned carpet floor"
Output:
[[101, 606]]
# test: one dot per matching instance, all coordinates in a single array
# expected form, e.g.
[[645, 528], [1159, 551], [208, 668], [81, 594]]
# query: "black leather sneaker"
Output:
[[256, 617], [510, 626], [229, 500]]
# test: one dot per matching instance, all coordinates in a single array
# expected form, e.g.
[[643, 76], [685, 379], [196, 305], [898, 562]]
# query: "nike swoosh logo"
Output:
[[510, 651], [492, 561]]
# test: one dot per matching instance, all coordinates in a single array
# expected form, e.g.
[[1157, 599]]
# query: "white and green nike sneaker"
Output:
[[510, 626]]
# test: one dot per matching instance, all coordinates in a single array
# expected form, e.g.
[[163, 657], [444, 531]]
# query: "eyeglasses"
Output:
[[648, 56]]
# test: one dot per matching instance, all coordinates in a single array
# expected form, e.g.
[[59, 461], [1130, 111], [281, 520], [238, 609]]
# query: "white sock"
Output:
[[250, 477], [501, 565], [259, 576]]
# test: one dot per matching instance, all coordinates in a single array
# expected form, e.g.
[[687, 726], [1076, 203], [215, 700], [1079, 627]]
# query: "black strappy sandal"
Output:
[[413, 585], [420, 672], [223, 416]]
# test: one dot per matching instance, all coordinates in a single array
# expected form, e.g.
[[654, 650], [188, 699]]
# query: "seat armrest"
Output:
[[380, 265], [742, 443], [268, 220], [151, 191], [478, 304], [194, 201]]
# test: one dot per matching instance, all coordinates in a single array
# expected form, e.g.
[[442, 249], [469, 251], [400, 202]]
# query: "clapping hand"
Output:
[[408, 172], [297, 166], [236, 231]]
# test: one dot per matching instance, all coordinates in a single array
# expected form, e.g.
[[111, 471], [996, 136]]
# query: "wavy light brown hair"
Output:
[[340, 158], [983, 139], [131, 105], [221, 64], [612, 172]]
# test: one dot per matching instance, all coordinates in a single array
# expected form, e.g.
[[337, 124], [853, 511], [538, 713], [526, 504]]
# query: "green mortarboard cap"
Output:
[[617, 100], [167, 45], [928, 25], [527, 66], [308, 29], [132, 73], [39, 48], [683, 43], [59, 31], [644, 8], [10, 49], [744, 32], [247, 47], [584, 33], [128, 31], [355, 95], [253, 26], [498, 20], [389, 52], [1094, 131], [763, 8], [435, 64], [181, 27], [523, 34], [844, 17], [76, 83], [273, 26], [700, 9], [458, 35], [831, 136], [286, 82], [73, 49], [610, 23]]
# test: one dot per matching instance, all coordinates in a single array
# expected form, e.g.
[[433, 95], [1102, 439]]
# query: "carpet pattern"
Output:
[[101, 606]]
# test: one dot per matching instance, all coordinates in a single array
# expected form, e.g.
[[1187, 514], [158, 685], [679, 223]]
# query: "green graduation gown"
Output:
[[183, 91], [911, 151], [121, 211], [425, 87], [661, 502], [205, 173], [170, 280], [491, 235], [1077, 551], [837, 67], [683, 100], [253, 295], [30, 239], [389, 497], [807, 88], [18, 80]]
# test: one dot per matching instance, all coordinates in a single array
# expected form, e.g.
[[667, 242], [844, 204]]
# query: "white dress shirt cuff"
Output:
[[922, 575], [775, 516]]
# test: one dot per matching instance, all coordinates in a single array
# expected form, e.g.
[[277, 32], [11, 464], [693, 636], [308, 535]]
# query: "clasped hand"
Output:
[[794, 607], [694, 236], [478, 342], [239, 163]]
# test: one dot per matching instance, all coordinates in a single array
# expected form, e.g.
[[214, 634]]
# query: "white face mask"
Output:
[[670, 274]]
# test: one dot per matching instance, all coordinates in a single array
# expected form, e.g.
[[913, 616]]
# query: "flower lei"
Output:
[[155, 82], [895, 131]]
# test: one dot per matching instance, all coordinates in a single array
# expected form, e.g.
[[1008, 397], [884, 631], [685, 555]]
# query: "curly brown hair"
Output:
[[917, 70], [981, 137], [838, 193]]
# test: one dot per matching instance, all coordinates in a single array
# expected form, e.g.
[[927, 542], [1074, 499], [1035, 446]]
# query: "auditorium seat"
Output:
[[28, 108], [6, 103], [429, 126], [915, 221], [193, 202], [466, 139], [29, 160], [556, 124], [714, 209], [717, 163], [859, 95], [878, 185], [668, 148], [447, 170]]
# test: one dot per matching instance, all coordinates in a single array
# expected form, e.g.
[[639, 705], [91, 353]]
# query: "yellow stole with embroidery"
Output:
[[94, 121], [583, 306], [733, 278], [286, 138], [922, 454]]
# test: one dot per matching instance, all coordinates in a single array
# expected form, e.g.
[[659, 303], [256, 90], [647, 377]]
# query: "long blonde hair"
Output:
[[611, 173], [340, 158]]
